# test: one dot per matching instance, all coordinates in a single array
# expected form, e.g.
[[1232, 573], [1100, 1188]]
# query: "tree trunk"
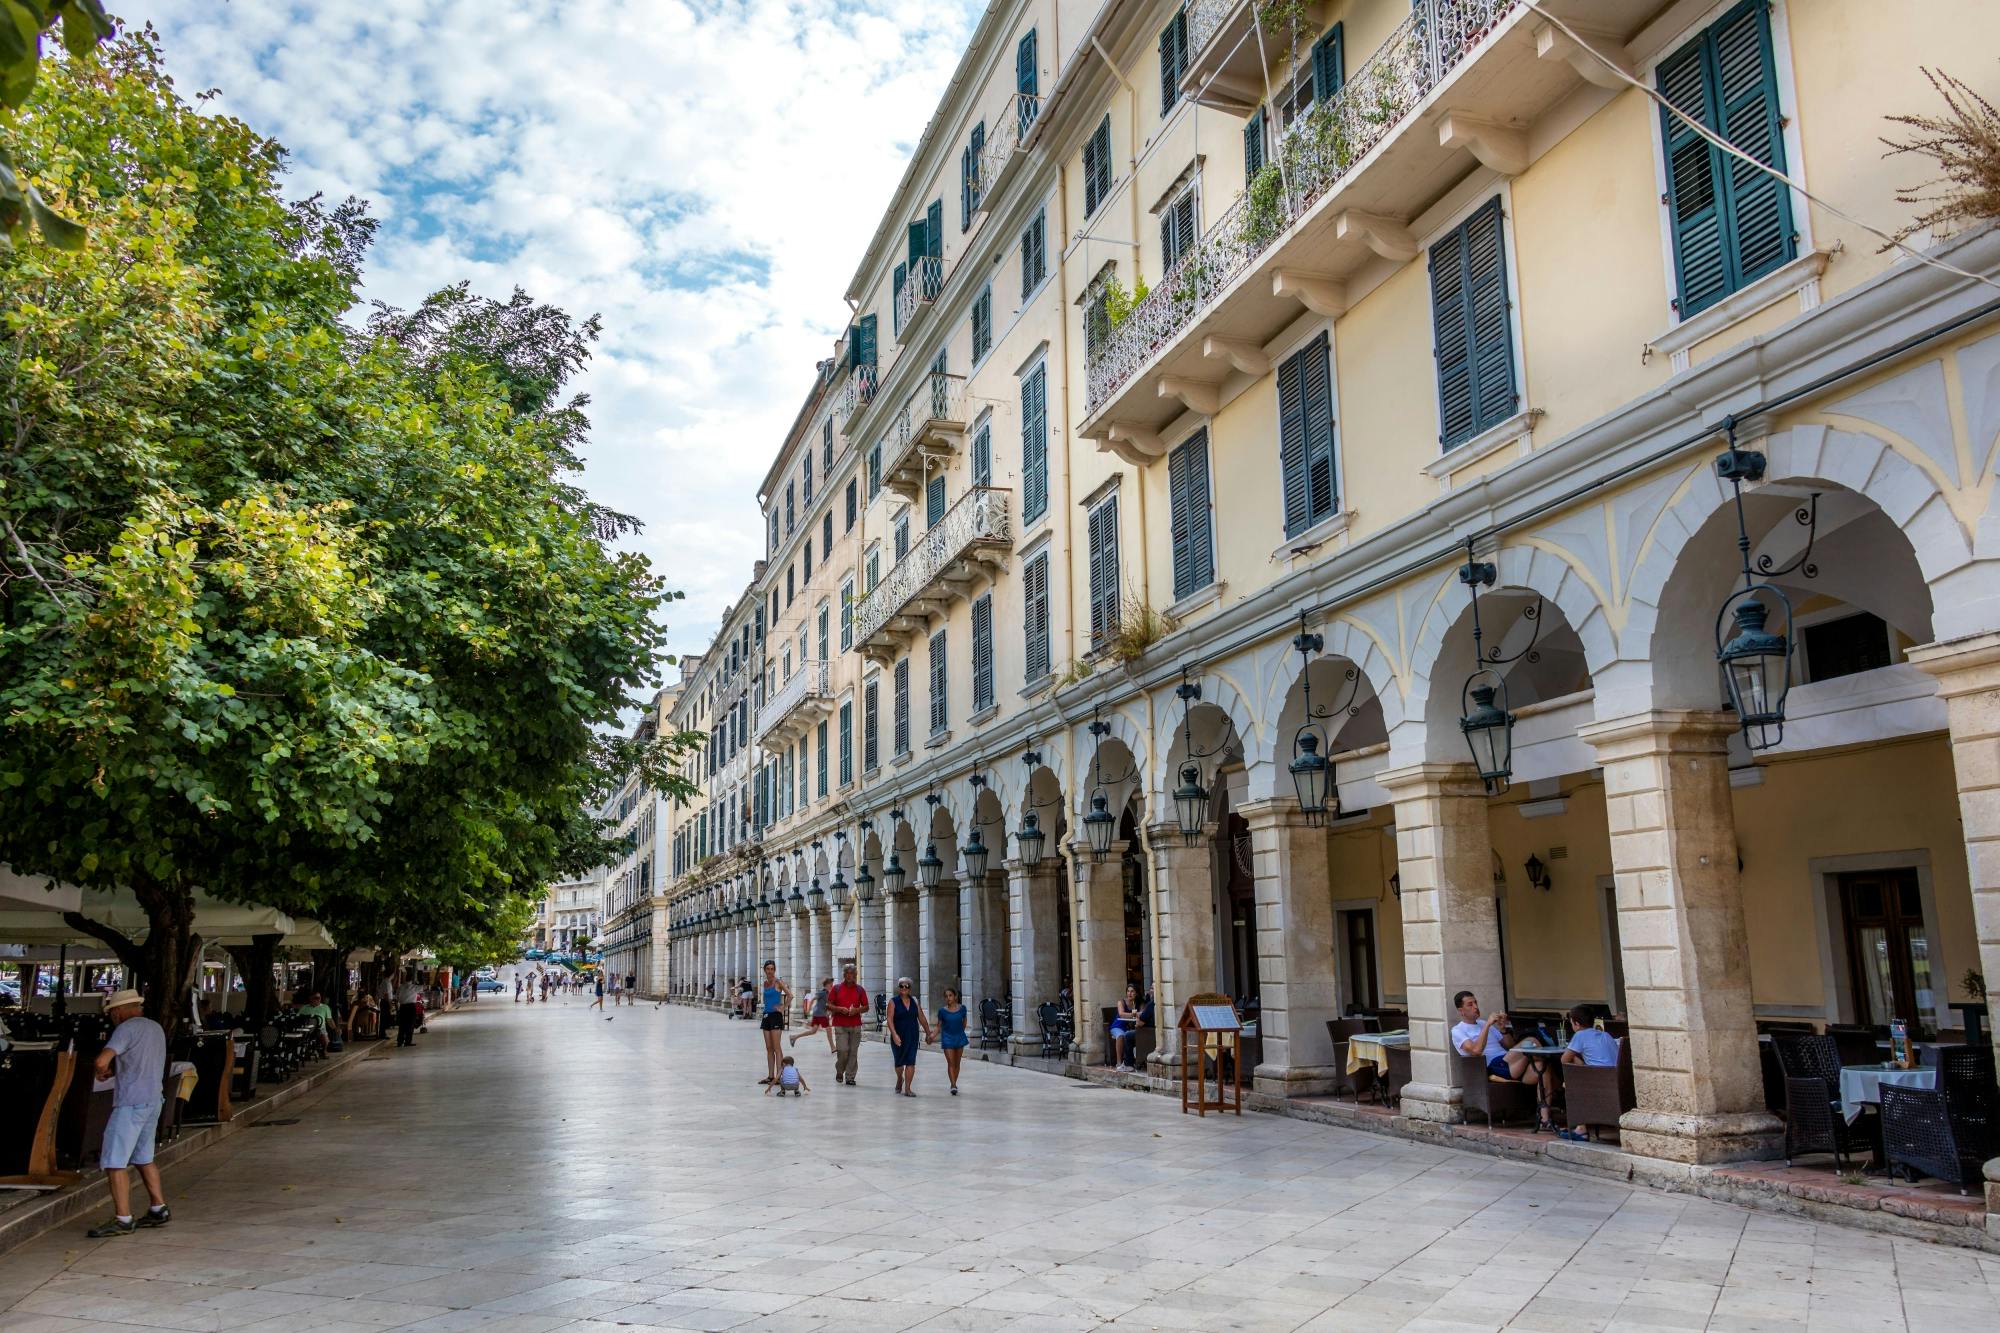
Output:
[[169, 951], [329, 978], [254, 963]]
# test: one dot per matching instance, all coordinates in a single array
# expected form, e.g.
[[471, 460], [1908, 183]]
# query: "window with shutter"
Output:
[[825, 637], [902, 707], [938, 687], [1104, 570], [1027, 78], [1173, 60], [982, 455], [789, 571], [1329, 65], [1253, 145], [1177, 222], [853, 503], [1097, 167], [826, 536], [1474, 336], [1306, 436], [1096, 324], [982, 324], [1034, 255], [1035, 616], [1731, 223], [1193, 533], [1034, 445], [846, 741], [846, 614], [969, 184], [820, 786], [791, 517], [826, 447], [874, 470], [774, 530], [864, 343], [805, 777], [871, 757], [872, 569], [902, 534], [897, 281], [933, 502], [806, 479], [806, 554], [982, 652]]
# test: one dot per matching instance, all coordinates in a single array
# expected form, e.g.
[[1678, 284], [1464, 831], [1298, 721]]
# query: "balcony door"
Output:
[[1889, 950]]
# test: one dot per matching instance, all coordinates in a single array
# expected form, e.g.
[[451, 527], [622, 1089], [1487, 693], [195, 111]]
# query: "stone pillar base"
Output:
[[1019, 1046], [1433, 1101], [1702, 1139], [1991, 1170], [1295, 1080]]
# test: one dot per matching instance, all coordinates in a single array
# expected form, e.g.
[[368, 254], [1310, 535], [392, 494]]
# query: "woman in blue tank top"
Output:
[[951, 1034], [777, 999]]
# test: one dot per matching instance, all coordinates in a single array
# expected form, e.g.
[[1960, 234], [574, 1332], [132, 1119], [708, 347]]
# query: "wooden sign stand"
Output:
[[1210, 1028], [40, 1159]]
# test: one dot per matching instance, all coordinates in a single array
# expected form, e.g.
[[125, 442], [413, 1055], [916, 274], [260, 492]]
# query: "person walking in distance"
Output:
[[951, 1034], [407, 1014], [598, 1003], [818, 1018], [136, 1055], [518, 983], [631, 988], [906, 1016], [845, 1004], [777, 999]]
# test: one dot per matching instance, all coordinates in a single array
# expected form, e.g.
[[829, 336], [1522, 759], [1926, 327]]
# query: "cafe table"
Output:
[[1543, 1057], [1861, 1085], [1372, 1048]]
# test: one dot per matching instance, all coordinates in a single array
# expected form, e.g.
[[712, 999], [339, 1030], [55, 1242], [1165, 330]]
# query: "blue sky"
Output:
[[704, 175]]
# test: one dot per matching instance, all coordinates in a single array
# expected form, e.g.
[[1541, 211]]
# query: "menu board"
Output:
[[1211, 1017]]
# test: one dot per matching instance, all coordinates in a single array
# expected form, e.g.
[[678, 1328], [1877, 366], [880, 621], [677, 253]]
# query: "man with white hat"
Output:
[[137, 1053]]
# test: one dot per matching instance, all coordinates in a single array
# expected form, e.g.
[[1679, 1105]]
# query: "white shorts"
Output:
[[128, 1137]]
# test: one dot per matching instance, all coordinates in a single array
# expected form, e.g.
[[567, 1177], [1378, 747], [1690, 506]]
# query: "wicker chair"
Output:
[[1495, 1098], [1813, 1122], [1055, 1032], [992, 1025], [1338, 1030], [1965, 1076], [1856, 1044], [1920, 1133], [1390, 1090], [1596, 1097]]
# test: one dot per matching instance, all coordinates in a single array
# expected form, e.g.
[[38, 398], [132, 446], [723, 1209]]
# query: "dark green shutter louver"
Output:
[[1187, 488], [982, 456], [1732, 223], [982, 652], [1173, 60], [1318, 388], [965, 168], [897, 282], [1471, 328], [871, 755], [864, 342], [1104, 570], [820, 786], [1329, 65], [940, 713], [1097, 167], [1292, 445], [1253, 146], [1035, 616], [846, 741], [1034, 445], [933, 502], [1177, 228], [903, 706], [1026, 76], [977, 150]]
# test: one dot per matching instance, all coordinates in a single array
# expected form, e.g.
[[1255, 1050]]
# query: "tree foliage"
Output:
[[25, 26], [304, 615]]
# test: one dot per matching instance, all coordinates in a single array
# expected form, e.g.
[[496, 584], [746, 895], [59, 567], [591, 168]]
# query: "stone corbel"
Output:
[[1245, 355], [1134, 444], [1385, 236], [1317, 292], [1202, 396], [1501, 148], [1552, 43]]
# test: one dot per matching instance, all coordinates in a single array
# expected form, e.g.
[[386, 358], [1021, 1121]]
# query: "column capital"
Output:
[[1273, 812], [1165, 835], [1961, 665], [1681, 730], [1079, 850], [1431, 778]]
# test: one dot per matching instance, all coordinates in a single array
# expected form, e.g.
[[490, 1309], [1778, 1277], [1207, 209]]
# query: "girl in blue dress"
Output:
[[951, 1035], [906, 1016]]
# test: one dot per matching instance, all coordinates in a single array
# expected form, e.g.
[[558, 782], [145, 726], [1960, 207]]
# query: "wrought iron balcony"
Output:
[[1008, 140], [972, 538], [795, 706], [1226, 58], [857, 393], [930, 428], [920, 287], [1456, 79]]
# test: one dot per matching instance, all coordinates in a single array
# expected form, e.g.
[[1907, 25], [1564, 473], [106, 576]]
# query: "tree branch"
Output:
[[128, 953]]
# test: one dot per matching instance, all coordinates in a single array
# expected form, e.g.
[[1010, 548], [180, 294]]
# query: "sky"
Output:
[[705, 176]]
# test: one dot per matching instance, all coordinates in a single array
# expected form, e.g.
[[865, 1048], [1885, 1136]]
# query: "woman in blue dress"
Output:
[[951, 1034], [906, 1016]]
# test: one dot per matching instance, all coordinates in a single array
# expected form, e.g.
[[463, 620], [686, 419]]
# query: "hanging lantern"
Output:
[[930, 867], [1489, 732], [975, 857], [893, 874], [837, 891], [1756, 666], [864, 884], [1309, 775], [1030, 840], [816, 897], [1099, 825], [797, 901], [1191, 804]]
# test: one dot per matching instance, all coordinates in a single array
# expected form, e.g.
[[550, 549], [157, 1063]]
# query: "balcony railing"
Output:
[[1010, 135], [920, 287], [1205, 18], [858, 392], [1316, 154], [929, 428], [974, 531], [806, 686]]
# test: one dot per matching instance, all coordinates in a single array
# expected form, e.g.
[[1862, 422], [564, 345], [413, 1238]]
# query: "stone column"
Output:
[[798, 958], [825, 931], [1034, 949], [903, 955], [1100, 943], [660, 970], [983, 932], [1680, 929], [1295, 982], [937, 926], [1451, 920], [871, 945], [1184, 915]]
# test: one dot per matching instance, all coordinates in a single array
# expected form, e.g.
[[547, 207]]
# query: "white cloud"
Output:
[[704, 175]]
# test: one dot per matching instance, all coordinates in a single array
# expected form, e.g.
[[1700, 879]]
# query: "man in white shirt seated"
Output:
[[1490, 1038]]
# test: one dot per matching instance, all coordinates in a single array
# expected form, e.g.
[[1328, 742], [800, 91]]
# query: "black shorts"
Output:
[[773, 1022]]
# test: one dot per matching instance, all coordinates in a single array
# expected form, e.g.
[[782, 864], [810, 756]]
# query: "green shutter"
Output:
[[1253, 146], [1451, 339], [1329, 65], [1193, 534], [940, 714], [933, 501], [864, 342], [1034, 446], [1471, 327], [1173, 60], [1292, 444], [982, 652], [965, 166], [1035, 617], [982, 457], [1026, 76], [1317, 387], [1104, 570]]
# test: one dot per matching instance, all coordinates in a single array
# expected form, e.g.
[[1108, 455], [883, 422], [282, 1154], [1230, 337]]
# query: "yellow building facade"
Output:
[[1237, 386]]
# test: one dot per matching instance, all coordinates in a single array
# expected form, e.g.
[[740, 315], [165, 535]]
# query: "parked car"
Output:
[[487, 984]]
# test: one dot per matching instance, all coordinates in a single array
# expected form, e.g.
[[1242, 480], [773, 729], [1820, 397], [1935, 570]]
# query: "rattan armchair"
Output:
[[1596, 1096]]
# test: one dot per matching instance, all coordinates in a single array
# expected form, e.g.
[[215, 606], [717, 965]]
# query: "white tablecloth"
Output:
[[1860, 1085]]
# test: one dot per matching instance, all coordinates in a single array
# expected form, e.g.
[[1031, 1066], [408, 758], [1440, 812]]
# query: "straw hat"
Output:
[[119, 999]]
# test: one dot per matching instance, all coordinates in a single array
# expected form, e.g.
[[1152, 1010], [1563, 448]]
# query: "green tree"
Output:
[[24, 25]]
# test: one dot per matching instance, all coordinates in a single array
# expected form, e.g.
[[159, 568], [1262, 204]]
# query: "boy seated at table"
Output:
[[1489, 1038], [1591, 1045]]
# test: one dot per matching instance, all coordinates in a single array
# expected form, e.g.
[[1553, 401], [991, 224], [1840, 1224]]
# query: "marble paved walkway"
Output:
[[538, 1168]]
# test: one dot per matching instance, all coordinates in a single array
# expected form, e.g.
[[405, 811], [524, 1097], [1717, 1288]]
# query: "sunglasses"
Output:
[[902, 988]]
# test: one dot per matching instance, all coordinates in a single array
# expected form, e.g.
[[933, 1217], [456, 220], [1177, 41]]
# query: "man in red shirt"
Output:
[[847, 1001]]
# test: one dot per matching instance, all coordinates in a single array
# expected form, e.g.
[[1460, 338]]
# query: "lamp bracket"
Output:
[[1478, 573], [932, 799], [1308, 643], [1097, 727], [1032, 758], [1740, 465], [1187, 691]]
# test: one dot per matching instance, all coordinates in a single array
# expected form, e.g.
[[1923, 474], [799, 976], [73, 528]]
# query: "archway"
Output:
[[1111, 907], [1041, 951], [987, 965], [938, 906], [1206, 936]]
